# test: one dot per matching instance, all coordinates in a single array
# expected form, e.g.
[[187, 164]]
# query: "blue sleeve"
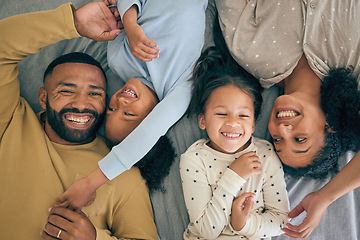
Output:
[[143, 138], [124, 5], [178, 27]]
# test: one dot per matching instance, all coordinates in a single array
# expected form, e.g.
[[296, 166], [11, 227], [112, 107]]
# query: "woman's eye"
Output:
[[128, 114], [276, 140], [300, 140], [111, 109]]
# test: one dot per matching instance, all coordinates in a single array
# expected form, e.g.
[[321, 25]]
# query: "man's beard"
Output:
[[55, 120]]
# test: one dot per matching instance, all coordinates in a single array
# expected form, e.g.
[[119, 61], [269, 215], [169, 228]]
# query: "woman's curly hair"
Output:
[[155, 166], [340, 101]]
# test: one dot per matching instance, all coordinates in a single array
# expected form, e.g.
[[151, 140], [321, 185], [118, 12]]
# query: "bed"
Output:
[[169, 207]]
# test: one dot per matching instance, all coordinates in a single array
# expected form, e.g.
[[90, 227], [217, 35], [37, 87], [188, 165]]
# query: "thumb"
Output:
[[296, 211], [109, 36], [248, 205], [61, 199]]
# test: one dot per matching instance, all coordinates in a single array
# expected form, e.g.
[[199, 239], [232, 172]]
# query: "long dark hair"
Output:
[[155, 165], [216, 68]]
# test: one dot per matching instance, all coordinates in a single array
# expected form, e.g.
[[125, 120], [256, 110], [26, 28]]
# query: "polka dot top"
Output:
[[268, 38], [210, 186]]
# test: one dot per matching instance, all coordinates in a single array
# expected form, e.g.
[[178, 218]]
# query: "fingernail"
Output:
[[49, 209]]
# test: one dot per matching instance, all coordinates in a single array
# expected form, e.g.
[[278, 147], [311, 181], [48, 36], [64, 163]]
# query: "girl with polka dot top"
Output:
[[233, 183]]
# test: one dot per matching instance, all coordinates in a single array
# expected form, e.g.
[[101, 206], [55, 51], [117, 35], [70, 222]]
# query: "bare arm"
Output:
[[317, 202], [141, 47]]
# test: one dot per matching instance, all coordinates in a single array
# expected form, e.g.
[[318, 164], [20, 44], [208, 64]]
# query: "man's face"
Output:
[[74, 99], [127, 108]]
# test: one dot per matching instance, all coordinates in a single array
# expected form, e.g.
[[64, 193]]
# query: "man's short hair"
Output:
[[74, 57]]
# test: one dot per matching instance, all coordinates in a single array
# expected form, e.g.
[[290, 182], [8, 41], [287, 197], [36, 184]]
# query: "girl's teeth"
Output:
[[129, 91], [232, 135]]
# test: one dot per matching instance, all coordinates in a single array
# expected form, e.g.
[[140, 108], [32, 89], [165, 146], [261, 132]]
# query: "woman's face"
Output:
[[297, 128], [127, 108]]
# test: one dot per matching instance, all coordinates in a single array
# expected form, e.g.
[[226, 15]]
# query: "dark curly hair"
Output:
[[216, 68], [340, 101], [155, 165]]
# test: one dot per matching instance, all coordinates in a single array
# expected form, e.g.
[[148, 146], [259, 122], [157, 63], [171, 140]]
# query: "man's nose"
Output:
[[81, 101]]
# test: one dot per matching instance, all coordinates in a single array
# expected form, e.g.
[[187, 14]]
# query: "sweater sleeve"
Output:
[[132, 213], [20, 36], [269, 221], [209, 207]]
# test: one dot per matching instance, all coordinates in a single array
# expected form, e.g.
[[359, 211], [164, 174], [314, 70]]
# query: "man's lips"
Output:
[[78, 119]]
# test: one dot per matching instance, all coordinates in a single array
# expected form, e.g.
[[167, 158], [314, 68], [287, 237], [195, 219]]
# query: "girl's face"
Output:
[[127, 108], [228, 119]]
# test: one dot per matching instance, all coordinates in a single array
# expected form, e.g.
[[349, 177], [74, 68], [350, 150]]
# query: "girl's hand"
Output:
[[247, 165], [141, 47], [79, 195], [240, 210], [314, 207]]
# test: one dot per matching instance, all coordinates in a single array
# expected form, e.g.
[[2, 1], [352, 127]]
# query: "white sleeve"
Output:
[[209, 210]]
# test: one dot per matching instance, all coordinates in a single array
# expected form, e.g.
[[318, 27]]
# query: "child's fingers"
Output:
[[138, 56], [150, 43], [143, 55], [241, 200], [248, 205], [150, 50]]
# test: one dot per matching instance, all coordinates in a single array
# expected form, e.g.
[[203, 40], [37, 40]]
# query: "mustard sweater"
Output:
[[34, 170]]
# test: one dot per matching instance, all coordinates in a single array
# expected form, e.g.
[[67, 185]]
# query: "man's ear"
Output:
[[201, 121], [42, 94]]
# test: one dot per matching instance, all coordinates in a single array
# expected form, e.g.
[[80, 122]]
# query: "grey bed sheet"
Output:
[[169, 208]]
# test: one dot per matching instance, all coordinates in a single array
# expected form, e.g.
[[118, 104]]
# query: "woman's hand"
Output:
[[314, 206]]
